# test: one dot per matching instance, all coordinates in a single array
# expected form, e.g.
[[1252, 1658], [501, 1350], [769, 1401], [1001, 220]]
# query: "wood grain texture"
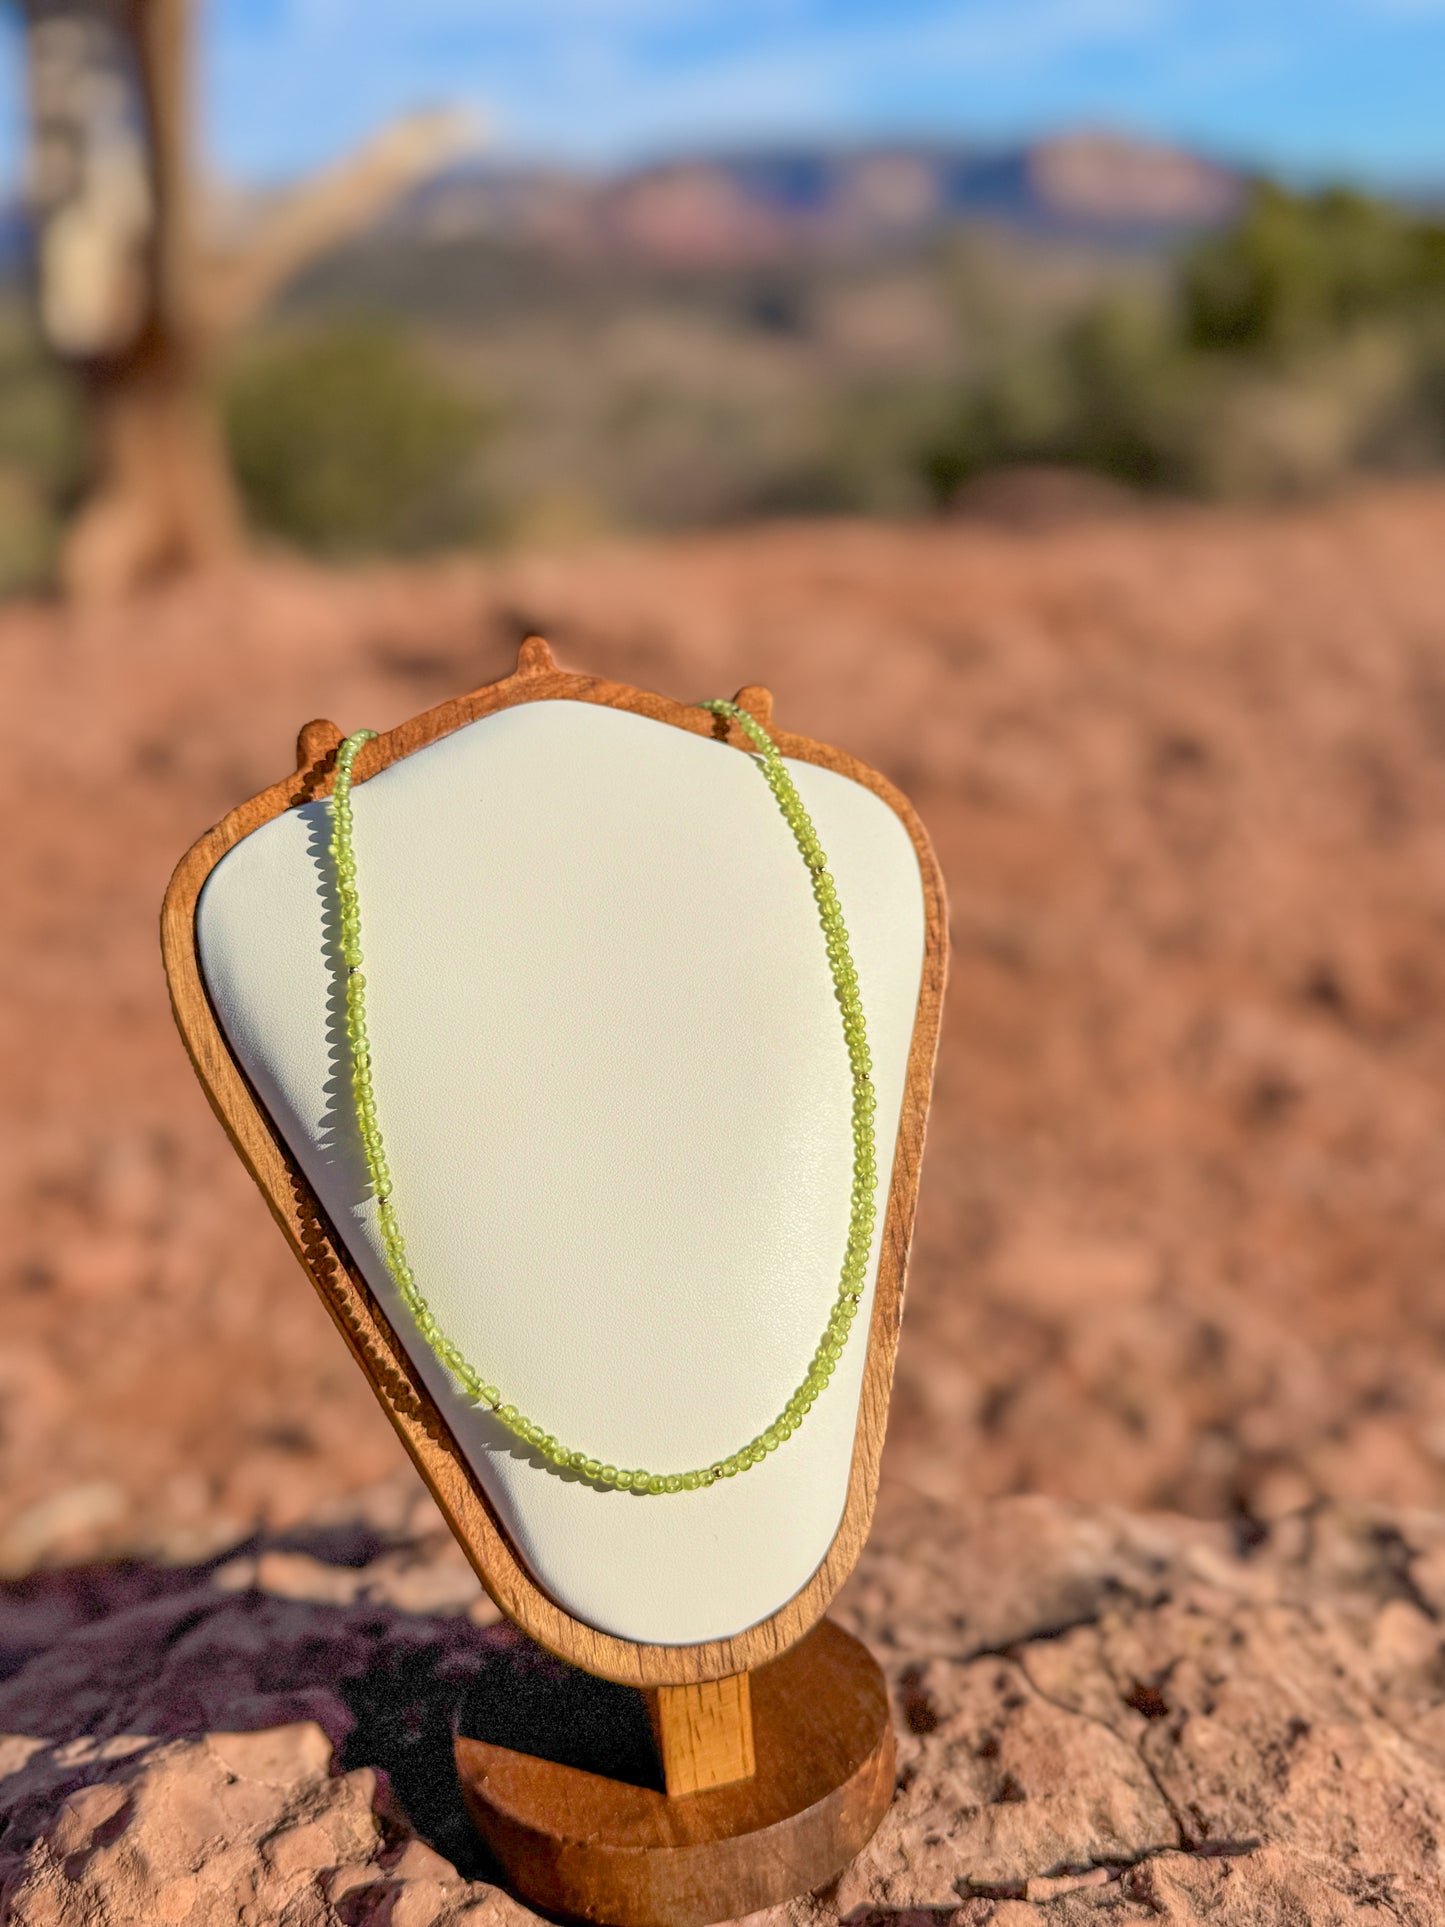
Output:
[[588, 1848], [359, 1317], [704, 1733]]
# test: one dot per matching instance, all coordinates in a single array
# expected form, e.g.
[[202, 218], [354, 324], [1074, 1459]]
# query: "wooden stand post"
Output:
[[718, 1844], [704, 1733]]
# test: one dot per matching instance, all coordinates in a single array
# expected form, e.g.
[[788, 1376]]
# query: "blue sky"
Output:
[[1308, 86]]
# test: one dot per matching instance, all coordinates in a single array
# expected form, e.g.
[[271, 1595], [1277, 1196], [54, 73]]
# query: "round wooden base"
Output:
[[610, 1851]]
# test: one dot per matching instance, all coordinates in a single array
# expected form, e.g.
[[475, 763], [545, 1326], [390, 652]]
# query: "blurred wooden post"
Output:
[[131, 296], [163, 495], [110, 182]]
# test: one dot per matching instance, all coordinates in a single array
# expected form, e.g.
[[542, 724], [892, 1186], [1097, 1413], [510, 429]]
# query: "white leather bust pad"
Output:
[[610, 1073]]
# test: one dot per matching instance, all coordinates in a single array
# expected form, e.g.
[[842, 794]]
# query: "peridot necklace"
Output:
[[865, 1176]]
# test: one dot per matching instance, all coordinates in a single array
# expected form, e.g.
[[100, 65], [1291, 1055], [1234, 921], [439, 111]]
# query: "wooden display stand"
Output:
[[775, 1780], [776, 1746]]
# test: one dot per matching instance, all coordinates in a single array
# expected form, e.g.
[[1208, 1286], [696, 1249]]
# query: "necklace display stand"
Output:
[[546, 853]]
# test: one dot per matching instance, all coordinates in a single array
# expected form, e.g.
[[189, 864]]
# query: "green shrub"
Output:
[[349, 439], [1109, 392], [41, 456], [1306, 342], [1299, 271]]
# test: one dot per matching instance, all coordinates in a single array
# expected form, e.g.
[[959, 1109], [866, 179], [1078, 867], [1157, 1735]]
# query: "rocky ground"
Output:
[[1180, 1246], [1104, 1717]]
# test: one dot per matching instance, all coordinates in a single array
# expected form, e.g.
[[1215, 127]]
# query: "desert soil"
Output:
[[1181, 1246]]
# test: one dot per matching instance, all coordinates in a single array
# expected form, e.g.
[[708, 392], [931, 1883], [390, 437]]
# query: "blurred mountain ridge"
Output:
[[752, 206]]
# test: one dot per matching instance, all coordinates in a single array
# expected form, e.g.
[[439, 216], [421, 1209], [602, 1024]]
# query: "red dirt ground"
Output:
[[1182, 1240]]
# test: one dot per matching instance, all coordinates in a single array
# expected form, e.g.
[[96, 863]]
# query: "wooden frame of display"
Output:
[[358, 1315]]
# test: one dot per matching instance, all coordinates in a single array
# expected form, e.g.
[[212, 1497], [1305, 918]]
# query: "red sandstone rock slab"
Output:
[[1102, 1718]]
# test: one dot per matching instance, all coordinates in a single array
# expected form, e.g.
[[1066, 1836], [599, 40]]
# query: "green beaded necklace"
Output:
[[865, 1175]]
